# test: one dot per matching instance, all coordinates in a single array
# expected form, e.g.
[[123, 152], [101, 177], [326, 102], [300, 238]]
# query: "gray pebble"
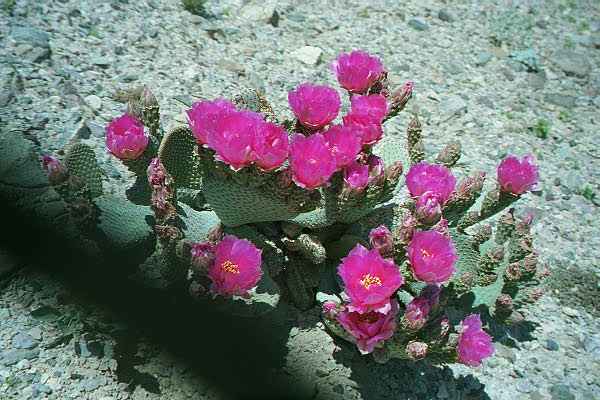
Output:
[[418, 24]]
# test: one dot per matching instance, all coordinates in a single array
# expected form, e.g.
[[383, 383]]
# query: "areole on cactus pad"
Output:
[[246, 209]]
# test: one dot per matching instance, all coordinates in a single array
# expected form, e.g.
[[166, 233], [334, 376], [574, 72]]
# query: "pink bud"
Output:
[[272, 148], [442, 227], [344, 143], [517, 176], [357, 71], [237, 267], [203, 255], [474, 344], [416, 350], [315, 106], [428, 209], [54, 168], [407, 228], [356, 176], [376, 171], [125, 137], [204, 117], [402, 95], [381, 240], [311, 161], [330, 309], [416, 313], [432, 257]]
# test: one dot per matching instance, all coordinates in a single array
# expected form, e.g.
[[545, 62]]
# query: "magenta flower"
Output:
[[424, 177], [311, 161], [237, 267], [344, 144], [374, 106], [416, 313], [356, 176], [315, 106], [432, 256], [428, 208], [369, 280], [271, 147], [125, 137], [517, 176], [368, 129], [371, 328], [235, 137], [204, 117], [474, 344], [381, 240], [357, 71], [203, 255]]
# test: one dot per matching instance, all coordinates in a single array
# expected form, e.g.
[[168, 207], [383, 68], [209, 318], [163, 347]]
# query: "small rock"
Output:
[[506, 352], [445, 16], [23, 364], [418, 24], [551, 345], [23, 341], [525, 387], [30, 35], [572, 63], [591, 344], [258, 11], [561, 392], [308, 55], [91, 384], [527, 58], [84, 131], [482, 59], [560, 99], [453, 106], [94, 102], [40, 388], [14, 356], [321, 372], [570, 312], [36, 333], [102, 62]]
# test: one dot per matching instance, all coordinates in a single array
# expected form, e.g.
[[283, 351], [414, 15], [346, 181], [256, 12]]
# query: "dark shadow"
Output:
[[237, 355], [406, 380]]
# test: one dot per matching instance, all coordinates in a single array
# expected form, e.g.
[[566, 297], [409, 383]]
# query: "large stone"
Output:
[[572, 63], [30, 35], [308, 55]]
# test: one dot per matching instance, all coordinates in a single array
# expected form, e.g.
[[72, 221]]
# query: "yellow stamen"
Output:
[[369, 280], [230, 267]]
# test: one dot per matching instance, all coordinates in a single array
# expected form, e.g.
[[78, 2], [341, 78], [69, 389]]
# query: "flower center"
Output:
[[369, 280], [425, 253], [370, 318], [230, 267]]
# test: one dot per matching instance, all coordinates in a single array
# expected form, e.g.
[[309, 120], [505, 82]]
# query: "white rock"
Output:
[[258, 11], [93, 101], [308, 55]]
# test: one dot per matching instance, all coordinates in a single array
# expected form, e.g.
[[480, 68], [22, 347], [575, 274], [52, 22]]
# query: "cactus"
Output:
[[235, 206]]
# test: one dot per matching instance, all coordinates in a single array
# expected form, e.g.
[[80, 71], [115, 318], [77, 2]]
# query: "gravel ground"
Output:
[[502, 76]]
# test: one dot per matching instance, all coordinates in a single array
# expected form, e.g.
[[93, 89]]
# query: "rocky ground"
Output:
[[502, 76]]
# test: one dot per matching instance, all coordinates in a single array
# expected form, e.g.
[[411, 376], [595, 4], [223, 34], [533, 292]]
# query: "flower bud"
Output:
[[203, 255], [393, 172], [416, 313], [416, 350], [56, 171], [406, 229], [442, 227], [330, 309], [376, 171], [428, 209], [401, 96], [381, 239]]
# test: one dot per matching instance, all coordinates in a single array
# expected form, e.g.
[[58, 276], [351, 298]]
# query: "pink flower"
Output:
[[204, 117], [344, 144], [474, 344], [432, 256], [356, 176], [416, 312], [428, 209], [373, 106], [357, 71], [371, 328], [424, 177], [369, 280], [234, 138], [315, 106], [311, 161], [237, 267], [516, 176], [125, 137], [381, 240], [203, 255], [272, 146], [369, 130]]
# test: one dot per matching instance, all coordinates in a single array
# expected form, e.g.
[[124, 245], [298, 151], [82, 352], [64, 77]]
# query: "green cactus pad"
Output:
[[178, 153], [81, 162]]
